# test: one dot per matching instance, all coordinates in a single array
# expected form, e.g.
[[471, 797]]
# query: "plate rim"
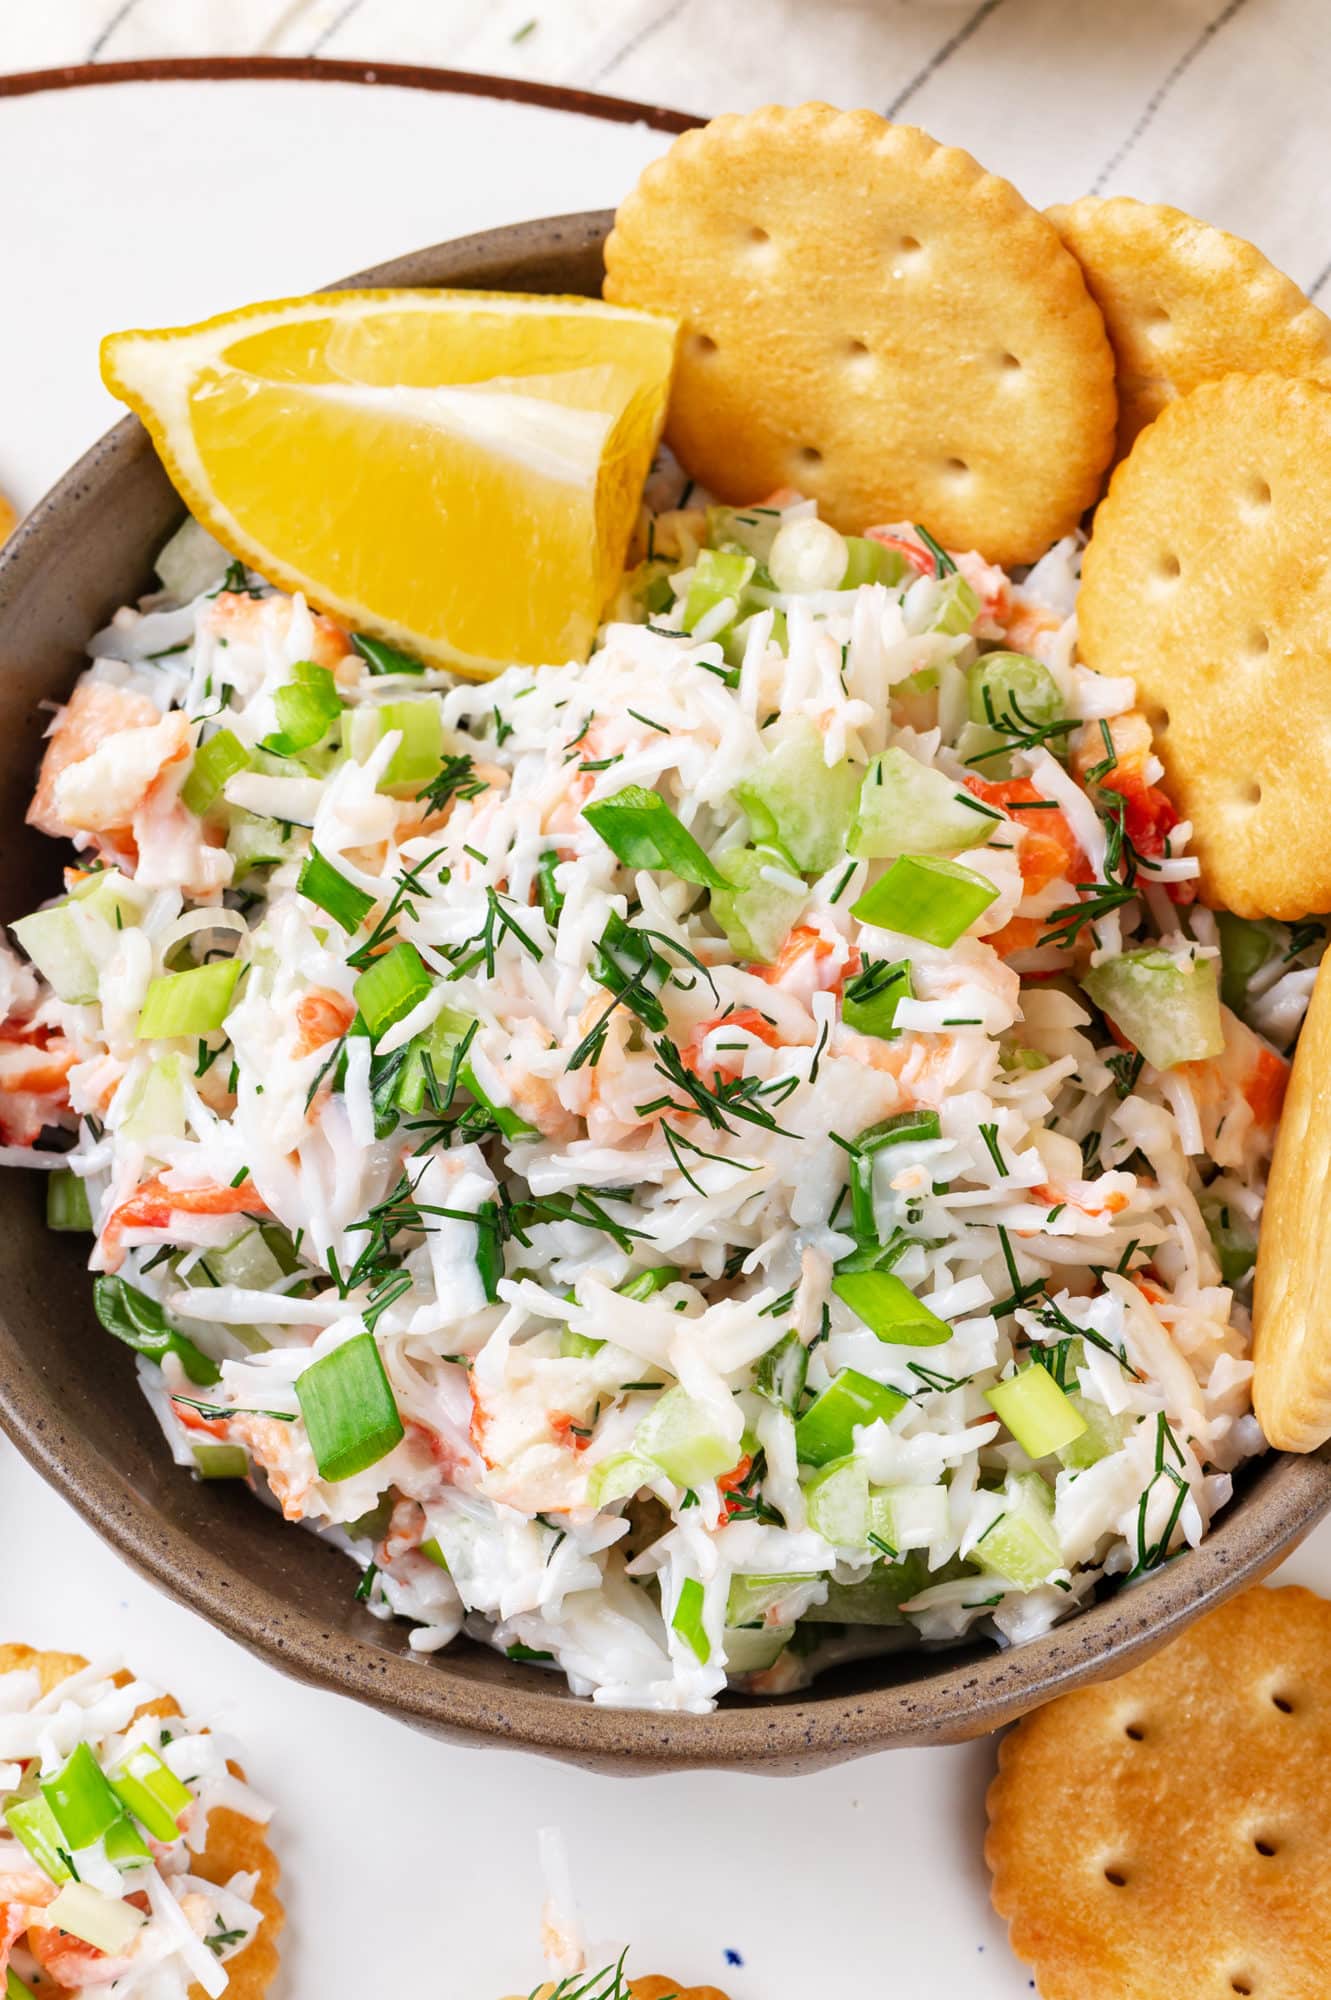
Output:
[[567, 98]]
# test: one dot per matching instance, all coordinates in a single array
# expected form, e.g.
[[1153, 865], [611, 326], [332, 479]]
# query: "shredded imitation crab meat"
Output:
[[174, 1929], [550, 1141]]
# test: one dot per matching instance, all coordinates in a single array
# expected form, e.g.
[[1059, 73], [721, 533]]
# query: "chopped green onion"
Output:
[[927, 897], [552, 897], [1245, 948], [827, 1429], [890, 1309], [220, 1461], [1166, 1007], [381, 658], [32, 1822], [193, 1002], [675, 1435], [67, 1205], [15, 1989], [781, 1372], [1232, 1238], [870, 1000], [717, 575], [1013, 693], [644, 1283], [78, 1794], [327, 887], [388, 990], [139, 1321], [214, 762], [307, 707], [1036, 1411], [125, 1846], [639, 827], [489, 1248], [687, 1618], [432, 1552], [348, 1407], [578, 1346], [902, 1128]]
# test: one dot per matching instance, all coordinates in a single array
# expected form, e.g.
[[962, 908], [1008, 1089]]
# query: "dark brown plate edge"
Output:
[[327, 69]]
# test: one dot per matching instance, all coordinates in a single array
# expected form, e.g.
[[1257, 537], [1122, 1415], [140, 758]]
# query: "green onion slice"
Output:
[[67, 1205], [333, 893], [139, 1321], [81, 1800], [639, 827], [349, 1411], [927, 897], [890, 1309], [144, 1783], [827, 1429], [687, 1619], [214, 762], [381, 658], [389, 989]]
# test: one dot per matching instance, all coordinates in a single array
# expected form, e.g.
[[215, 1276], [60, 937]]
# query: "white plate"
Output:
[[411, 1867]]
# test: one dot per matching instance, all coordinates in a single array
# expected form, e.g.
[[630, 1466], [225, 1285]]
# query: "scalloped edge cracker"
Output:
[[235, 1844], [1170, 1832], [8, 517], [647, 1986], [874, 320], [1206, 579], [1185, 303], [1291, 1329]]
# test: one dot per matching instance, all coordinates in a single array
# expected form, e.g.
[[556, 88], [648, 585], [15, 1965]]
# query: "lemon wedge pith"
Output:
[[455, 472]]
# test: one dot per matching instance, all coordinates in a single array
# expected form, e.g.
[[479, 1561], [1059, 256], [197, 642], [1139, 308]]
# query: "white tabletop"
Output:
[[411, 1866]]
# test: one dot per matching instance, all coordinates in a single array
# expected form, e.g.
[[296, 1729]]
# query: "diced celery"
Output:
[[421, 751], [985, 750], [1245, 947], [837, 1499], [1021, 1547], [717, 575], [868, 561], [827, 1429], [103, 1921], [220, 1461], [909, 1517], [1103, 1434], [754, 1650], [157, 1109], [1233, 1239], [926, 896], [906, 807], [1037, 1412], [190, 561], [875, 1600], [957, 608], [807, 555], [649, 587], [112, 897], [1169, 1008], [619, 1477], [578, 1346], [193, 1002], [796, 800], [756, 914], [255, 842], [675, 1435], [750, 529], [67, 1206], [752, 1597], [1012, 692], [52, 941], [247, 1260]]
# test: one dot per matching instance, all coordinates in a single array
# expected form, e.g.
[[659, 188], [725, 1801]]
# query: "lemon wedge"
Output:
[[455, 472]]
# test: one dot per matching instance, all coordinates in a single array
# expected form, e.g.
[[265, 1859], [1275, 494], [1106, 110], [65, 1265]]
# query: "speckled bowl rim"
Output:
[[949, 1697]]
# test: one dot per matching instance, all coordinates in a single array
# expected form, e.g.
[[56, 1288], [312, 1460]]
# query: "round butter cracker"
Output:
[[235, 1845], [874, 320], [1185, 303], [1291, 1331], [1208, 579], [1169, 1833]]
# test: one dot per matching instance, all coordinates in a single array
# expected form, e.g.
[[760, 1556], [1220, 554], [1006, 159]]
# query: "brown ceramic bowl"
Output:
[[68, 1396]]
